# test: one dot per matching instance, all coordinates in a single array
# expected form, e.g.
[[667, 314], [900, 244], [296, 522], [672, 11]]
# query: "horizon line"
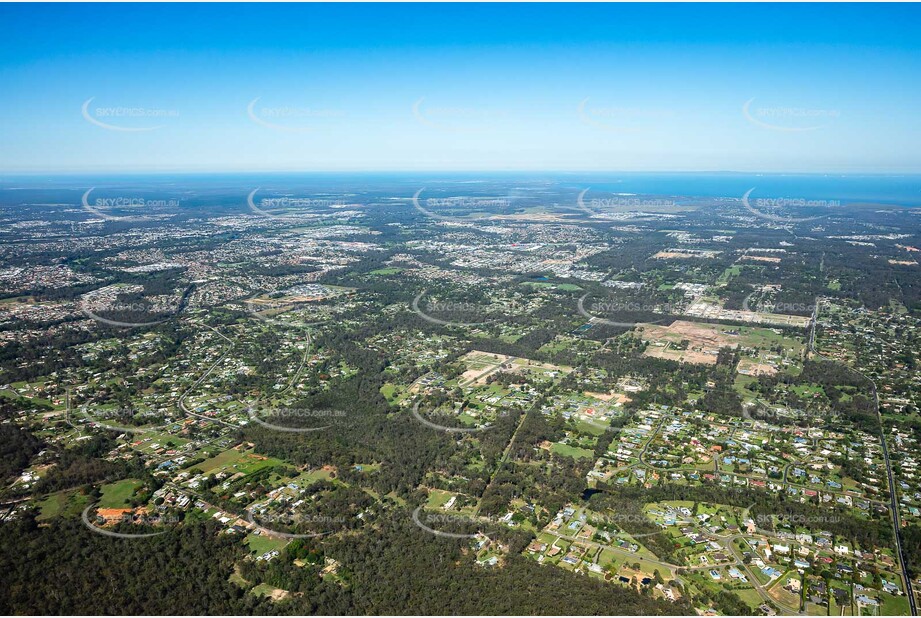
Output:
[[446, 171]]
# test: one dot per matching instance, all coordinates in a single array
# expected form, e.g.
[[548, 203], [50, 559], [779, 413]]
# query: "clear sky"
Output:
[[791, 88]]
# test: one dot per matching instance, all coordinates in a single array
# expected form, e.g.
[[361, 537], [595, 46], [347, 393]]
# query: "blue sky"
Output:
[[772, 88]]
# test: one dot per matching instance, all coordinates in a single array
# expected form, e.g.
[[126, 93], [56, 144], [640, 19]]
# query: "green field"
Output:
[[729, 273], [572, 451], [264, 590], [384, 272], [388, 390], [260, 544], [233, 460], [63, 504], [566, 287], [118, 495], [312, 476], [438, 498], [221, 459]]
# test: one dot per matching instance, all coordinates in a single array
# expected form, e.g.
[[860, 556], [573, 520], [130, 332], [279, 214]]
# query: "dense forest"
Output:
[[398, 570]]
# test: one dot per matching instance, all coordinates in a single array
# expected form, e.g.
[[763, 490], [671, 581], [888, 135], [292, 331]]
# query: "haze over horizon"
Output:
[[810, 89]]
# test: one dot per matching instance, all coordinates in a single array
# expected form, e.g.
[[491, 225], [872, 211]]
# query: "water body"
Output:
[[884, 189], [894, 189]]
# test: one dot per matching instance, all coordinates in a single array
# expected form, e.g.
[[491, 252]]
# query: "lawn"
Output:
[[221, 459], [63, 504], [308, 478], [750, 596], [118, 495], [438, 498], [250, 463], [388, 390], [729, 273], [265, 590], [384, 272], [591, 428], [572, 451], [565, 287], [260, 544], [893, 605]]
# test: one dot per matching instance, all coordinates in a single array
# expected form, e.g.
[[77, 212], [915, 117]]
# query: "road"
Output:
[[893, 493], [502, 460], [489, 371], [185, 394], [896, 521], [728, 545]]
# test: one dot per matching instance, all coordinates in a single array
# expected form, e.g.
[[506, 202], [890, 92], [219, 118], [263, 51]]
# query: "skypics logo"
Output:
[[780, 416], [777, 307], [121, 516], [267, 205], [91, 306], [605, 208], [761, 207], [128, 119], [628, 307], [103, 207], [428, 423], [268, 522], [116, 419], [258, 308], [89, 310], [106, 306], [626, 521], [466, 203], [270, 417], [621, 119], [766, 523], [273, 417], [290, 119], [425, 521], [453, 119], [788, 119], [450, 308]]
